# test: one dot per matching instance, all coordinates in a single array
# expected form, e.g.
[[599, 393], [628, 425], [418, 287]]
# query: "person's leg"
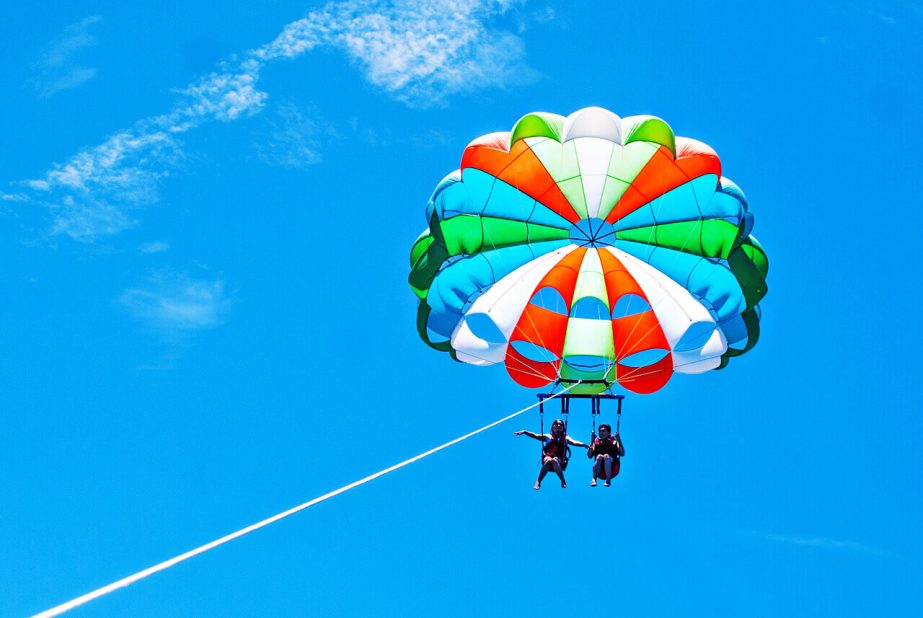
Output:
[[608, 467], [557, 470], [597, 470], [546, 466]]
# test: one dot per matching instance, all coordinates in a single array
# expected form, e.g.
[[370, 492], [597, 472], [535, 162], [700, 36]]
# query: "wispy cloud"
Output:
[[888, 13], [545, 15], [157, 246], [823, 543], [385, 137], [294, 138], [417, 51], [176, 303], [95, 192], [58, 68], [423, 51]]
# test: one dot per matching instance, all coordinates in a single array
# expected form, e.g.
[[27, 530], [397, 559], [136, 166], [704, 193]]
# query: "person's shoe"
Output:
[[607, 483], [593, 483], [537, 486], [563, 485]]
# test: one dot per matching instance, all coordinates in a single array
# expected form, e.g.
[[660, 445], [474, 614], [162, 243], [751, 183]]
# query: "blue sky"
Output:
[[205, 217]]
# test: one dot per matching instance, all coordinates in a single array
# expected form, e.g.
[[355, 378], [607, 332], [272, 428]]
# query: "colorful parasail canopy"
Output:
[[593, 248]]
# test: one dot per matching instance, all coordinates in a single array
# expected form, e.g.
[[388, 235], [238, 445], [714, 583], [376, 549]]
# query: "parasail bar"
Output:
[[544, 396]]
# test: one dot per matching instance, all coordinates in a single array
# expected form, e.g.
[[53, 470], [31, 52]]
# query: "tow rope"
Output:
[[166, 564]]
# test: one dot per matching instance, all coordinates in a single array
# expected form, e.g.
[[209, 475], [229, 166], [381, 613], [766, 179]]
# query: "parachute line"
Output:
[[166, 564]]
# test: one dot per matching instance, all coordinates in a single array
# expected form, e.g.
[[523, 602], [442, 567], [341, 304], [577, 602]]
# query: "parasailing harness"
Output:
[[566, 397]]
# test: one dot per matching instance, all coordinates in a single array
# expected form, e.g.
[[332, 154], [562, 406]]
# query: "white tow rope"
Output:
[[166, 564]]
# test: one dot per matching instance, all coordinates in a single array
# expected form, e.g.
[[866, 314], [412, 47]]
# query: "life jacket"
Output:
[[555, 447], [607, 446]]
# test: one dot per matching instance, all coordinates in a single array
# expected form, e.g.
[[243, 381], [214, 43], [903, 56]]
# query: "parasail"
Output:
[[589, 247]]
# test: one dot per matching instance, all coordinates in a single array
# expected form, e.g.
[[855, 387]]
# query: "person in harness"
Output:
[[554, 450], [606, 451]]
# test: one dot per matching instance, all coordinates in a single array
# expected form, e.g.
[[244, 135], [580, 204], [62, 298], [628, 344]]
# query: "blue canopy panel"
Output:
[[710, 281], [462, 281], [479, 193], [691, 201]]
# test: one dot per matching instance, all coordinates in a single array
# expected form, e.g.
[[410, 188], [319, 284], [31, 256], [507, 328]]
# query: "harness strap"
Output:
[[618, 421], [565, 411], [541, 416]]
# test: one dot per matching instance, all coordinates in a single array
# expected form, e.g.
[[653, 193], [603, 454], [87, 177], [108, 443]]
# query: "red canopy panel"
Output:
[[645, 380], [521, 168], [531, 374], [664, 173], [542, 327]]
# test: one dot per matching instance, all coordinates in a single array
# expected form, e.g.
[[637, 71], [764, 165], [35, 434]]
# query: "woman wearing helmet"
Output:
[[606, 449], [554, 450]]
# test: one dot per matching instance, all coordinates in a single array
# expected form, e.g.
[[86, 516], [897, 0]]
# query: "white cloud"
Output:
[[58, 69], [92, 194], [116, 165], [176, 304], [70, 79], [87, 219], [417, 51], [296, 38], [421, 52], [221, 96], [293, 141], [545, 15], [157, 246], [822, 543]]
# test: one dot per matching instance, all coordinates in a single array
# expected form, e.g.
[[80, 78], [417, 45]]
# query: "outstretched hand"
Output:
[[519, 433]]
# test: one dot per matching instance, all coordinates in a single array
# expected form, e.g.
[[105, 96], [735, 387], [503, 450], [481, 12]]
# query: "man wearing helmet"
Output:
[[554, 450], [607, 451]]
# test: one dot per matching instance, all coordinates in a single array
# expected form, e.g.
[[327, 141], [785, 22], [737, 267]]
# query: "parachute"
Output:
[[589, 248]]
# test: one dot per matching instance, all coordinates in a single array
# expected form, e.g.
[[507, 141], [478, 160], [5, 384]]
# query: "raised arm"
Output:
[[534, 436]]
